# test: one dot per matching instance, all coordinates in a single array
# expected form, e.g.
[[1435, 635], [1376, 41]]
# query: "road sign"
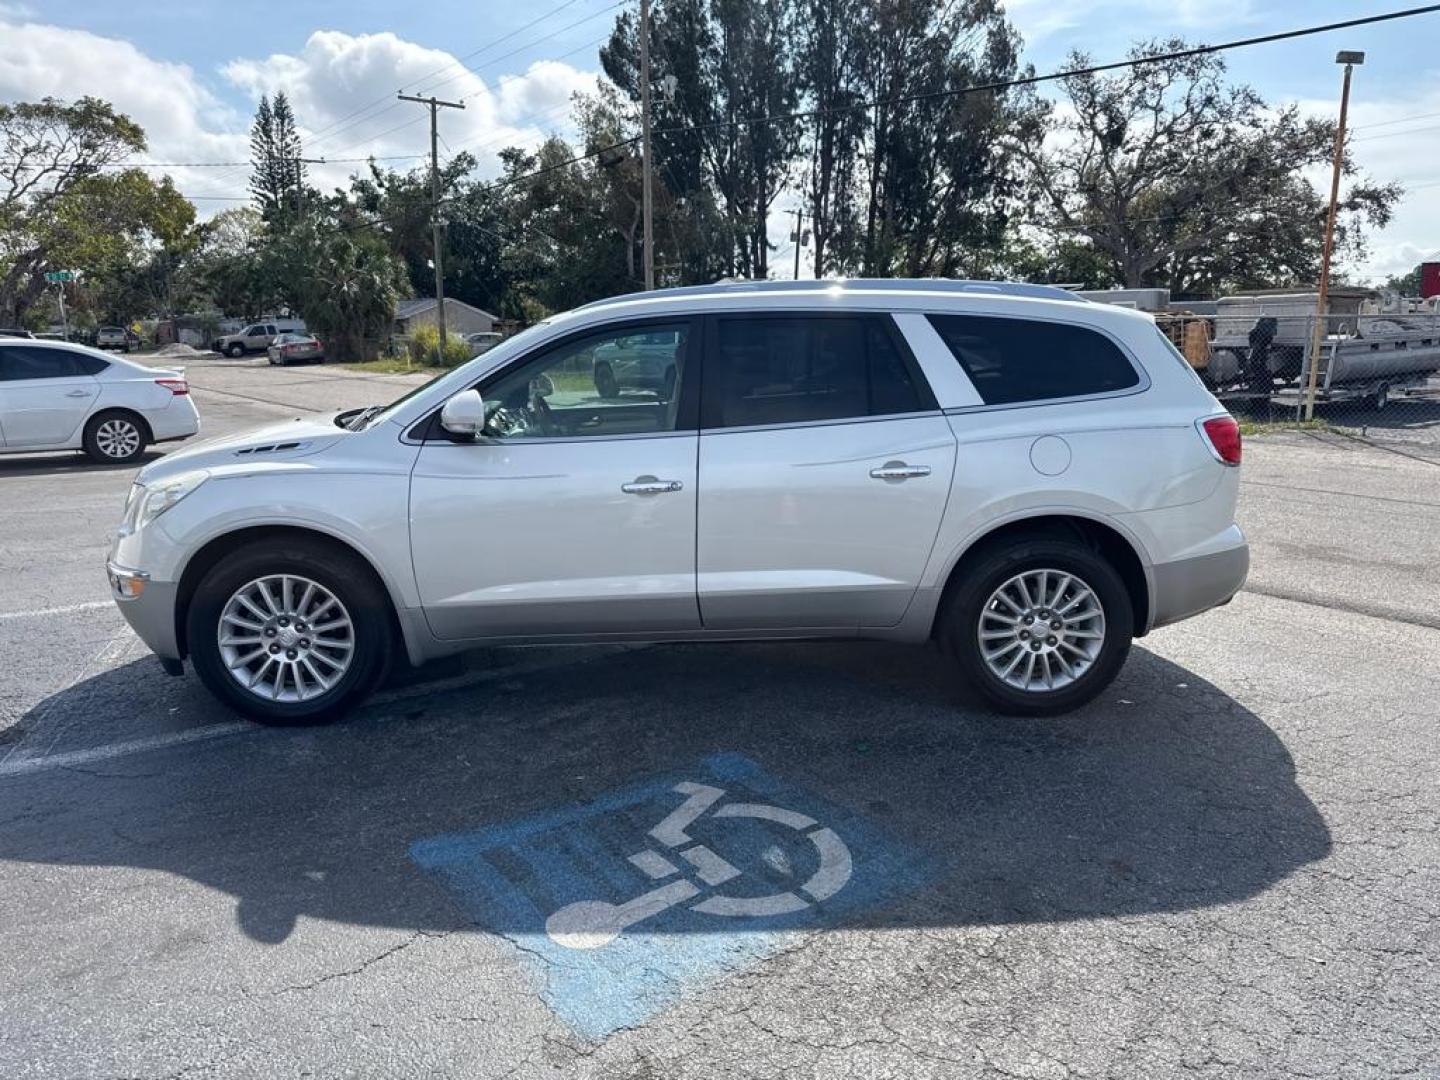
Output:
[[56, 277]]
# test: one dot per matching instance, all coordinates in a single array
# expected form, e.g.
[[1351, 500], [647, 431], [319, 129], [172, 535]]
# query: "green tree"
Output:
[[1181, 179], [1406, 284], [938, 170], [50, 154], [277, 174], [716, 64], [346, 283]]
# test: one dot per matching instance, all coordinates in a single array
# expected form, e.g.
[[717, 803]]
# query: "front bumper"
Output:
[[1187, 587], [149, 609]]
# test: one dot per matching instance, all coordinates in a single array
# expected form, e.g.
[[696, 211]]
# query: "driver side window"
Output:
[[617, 382]]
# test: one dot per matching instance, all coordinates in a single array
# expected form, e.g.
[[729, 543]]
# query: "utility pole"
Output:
[[300, 181], [647, 199], [798, 235], [1317, 336], [437, 238]]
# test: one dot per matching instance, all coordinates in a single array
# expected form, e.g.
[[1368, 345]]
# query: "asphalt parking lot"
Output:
[[1227, 866]]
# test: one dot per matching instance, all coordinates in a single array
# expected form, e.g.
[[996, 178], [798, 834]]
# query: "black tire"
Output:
[[992, 568], [345, 575], [234, 350], [605, 384], [99, 444]]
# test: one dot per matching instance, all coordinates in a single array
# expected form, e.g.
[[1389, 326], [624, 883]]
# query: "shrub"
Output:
[[425, 348]]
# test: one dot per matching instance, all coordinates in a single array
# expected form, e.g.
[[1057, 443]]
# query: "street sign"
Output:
[[56, 277]]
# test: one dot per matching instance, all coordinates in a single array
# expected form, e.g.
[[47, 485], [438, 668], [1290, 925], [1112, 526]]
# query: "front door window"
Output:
[[617, 382]]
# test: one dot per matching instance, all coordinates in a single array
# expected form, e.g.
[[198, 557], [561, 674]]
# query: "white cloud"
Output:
[[182, 119], [342, 88]]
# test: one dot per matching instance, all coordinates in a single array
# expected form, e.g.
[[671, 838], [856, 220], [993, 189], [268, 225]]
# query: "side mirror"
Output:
[[464, 415]]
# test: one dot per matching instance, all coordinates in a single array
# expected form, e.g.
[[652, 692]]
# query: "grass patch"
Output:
[[393, 365], [1267, 427]]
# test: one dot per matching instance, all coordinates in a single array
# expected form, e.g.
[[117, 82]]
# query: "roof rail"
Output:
[[949, 285]]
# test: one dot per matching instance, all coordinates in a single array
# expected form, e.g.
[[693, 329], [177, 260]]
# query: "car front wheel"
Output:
[[235, 350], [1040, 627], [290, 632]]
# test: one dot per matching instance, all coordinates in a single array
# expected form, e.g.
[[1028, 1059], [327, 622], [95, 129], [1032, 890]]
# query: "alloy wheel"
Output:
[[117, 438], [284, 637], [1041, 630]]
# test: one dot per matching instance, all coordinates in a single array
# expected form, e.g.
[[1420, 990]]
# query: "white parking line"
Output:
[[18, 764], [22, 765], [67, 609]]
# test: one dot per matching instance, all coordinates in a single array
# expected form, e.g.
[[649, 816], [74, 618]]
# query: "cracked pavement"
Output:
[[1228, 866]]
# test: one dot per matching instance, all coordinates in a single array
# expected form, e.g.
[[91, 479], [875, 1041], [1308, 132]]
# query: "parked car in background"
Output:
[[116, 337], [13, 332], [295, 349], [257, 337], [59, 396], [1028, 477], [483, 342], [636, 362]]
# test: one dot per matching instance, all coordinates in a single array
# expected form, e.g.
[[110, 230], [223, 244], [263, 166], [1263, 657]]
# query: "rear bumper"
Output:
[[151, 614], [1189, 586]]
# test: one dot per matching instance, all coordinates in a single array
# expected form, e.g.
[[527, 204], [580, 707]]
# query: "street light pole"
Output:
[[437, 229], [1317, 336]]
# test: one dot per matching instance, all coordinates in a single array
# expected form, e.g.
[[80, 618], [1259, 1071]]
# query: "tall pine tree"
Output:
[[277, 175]]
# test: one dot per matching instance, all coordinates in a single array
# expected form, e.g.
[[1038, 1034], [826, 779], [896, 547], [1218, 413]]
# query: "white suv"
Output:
[[1027, 477]]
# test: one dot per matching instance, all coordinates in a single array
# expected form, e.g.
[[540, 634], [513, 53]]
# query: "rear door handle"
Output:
[[898, 470], [649, 485], [78, 393]]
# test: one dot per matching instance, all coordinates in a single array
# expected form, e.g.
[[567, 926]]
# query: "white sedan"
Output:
[[59, 396]]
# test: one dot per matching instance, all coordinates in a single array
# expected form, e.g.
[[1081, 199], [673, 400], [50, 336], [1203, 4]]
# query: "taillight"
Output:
[[1223, 435], [175, 386]]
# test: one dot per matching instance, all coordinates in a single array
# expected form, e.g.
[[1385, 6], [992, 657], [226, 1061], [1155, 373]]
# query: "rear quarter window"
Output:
[[1016, 361]]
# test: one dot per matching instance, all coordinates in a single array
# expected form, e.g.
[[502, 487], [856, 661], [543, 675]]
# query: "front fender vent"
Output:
[[272, 448]]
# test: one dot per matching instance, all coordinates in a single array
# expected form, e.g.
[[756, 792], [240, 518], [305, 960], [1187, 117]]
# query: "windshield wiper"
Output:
[[364, 417]]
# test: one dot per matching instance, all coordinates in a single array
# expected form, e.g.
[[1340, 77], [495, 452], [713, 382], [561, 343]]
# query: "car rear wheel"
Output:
[[1039, 627], [291, 632], [115, 437]]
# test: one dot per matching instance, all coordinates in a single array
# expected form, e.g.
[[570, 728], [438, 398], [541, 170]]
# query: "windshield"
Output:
[[383, 413]]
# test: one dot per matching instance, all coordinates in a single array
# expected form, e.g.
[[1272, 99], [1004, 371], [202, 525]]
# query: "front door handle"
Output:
[[649, 485], [78, 393], [898, 470]]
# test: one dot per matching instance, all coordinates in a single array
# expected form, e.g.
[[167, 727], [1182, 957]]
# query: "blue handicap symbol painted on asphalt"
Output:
[[642, 896]]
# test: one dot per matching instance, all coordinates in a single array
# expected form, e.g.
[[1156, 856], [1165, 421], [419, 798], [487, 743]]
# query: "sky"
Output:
[[191, 71]]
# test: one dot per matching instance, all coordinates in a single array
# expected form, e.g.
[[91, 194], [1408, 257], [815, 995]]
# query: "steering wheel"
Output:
[[542, 419]]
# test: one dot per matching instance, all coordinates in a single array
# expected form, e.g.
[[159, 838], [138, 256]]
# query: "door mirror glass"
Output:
[[464, 415]]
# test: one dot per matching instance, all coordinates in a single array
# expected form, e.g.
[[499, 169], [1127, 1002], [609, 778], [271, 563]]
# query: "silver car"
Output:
[[1030, 478], [292, 348]]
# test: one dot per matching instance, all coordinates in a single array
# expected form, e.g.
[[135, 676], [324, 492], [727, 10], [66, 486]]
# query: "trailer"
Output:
[[1373, 347]]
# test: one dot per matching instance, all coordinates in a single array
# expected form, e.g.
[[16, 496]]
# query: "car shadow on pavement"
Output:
[[66, 462], [1165, 795]]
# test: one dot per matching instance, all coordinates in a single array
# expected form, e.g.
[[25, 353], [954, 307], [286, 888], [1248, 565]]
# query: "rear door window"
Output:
[[796, 369], [22, 363], [1015, 361]]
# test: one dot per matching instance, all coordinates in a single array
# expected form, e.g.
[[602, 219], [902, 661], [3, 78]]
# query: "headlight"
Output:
[[146, 503]]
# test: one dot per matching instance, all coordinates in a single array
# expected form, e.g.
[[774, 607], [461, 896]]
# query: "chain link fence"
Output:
[[1368, 367]]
